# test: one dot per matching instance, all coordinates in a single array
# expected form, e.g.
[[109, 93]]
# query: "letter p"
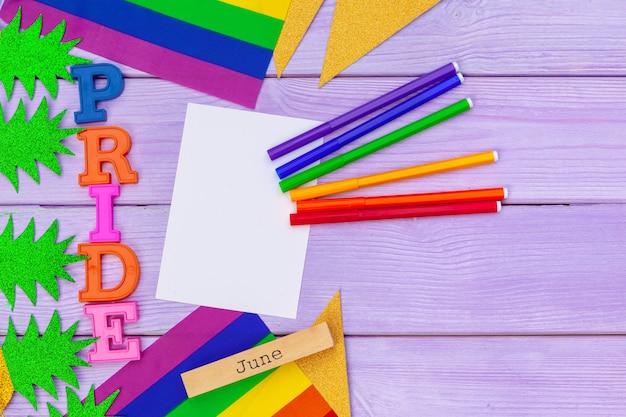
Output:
[[90, 95]]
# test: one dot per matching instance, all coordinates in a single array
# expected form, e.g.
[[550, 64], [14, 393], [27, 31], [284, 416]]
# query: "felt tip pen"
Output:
[[399, 93], [357, 215], [375, 145], [461, 196], [374, 123], [350, 184]]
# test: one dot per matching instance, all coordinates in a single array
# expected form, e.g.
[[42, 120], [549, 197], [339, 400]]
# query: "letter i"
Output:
[[104, 213]]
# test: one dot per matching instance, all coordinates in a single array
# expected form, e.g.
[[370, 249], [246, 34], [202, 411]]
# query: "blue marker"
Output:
[[334, 144]]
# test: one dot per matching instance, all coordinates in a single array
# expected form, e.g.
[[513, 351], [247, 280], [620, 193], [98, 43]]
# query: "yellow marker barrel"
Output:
[[462, 162]]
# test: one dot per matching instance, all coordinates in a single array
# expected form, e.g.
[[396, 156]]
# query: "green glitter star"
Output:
[[23, 143], [35, 360], [25, 262], [27, 56], [89, 409]]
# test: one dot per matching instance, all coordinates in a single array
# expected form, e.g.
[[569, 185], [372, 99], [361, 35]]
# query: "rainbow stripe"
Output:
[[211, 46], [276, 8], [152, 386], [163, 355], [309, 403]]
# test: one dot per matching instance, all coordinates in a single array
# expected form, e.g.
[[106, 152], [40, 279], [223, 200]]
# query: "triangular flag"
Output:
[[361, 25], [299, 17], [328, 370]]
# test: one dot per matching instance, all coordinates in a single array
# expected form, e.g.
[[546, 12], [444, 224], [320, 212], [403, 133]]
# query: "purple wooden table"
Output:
[[522, 313]]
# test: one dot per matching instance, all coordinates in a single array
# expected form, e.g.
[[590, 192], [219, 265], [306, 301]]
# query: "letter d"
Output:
[[93, 291]]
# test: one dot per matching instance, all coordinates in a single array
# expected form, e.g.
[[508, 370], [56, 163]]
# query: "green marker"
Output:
[[375, 145]]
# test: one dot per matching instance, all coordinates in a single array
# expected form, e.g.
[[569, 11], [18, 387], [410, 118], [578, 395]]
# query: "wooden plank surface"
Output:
[[559, 139], [489, 37], [549, 270], [516, 314], [470, 376]]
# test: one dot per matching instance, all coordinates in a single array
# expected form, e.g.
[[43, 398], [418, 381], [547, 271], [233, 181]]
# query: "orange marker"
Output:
[[485, 194], [321, 190]]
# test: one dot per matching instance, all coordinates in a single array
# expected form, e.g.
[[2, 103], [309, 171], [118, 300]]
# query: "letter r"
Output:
[[95, 156], [89, 94]]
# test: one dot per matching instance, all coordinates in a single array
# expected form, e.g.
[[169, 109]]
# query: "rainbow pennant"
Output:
[[222, 48], [152, 386]]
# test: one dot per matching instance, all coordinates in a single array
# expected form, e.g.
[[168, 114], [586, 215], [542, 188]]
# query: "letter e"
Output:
[[109, 330]]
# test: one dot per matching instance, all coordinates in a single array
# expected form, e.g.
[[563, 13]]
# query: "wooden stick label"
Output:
[[257, 359]]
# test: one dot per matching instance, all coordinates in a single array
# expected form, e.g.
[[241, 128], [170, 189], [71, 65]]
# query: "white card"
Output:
[[229, 243]]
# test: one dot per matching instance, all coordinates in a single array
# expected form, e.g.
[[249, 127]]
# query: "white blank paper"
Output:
[[229, 243]]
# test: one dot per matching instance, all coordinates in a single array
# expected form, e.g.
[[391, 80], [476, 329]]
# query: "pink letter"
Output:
[[107, 326], [104, 213]]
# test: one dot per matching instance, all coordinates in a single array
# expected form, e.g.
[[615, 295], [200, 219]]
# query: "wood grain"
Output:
[[486, 37], [516, 314], [464, 377], [559, 139], [545, 270]]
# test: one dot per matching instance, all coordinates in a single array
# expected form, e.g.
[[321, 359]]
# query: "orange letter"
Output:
[[95, 156], [93, 291]]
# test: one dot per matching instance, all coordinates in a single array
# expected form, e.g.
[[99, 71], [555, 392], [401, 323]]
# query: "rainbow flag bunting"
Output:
[[212, 46], [152, 387]]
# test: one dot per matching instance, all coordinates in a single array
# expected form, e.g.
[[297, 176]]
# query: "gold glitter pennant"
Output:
[[6, 386], [361, 25], [299, 17], [327, 370]]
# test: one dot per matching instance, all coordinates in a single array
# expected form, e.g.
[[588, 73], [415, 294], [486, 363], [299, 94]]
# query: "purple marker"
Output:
[[326, 128]]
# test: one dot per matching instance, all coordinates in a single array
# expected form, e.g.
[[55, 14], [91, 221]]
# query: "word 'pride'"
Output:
[[107, 318]]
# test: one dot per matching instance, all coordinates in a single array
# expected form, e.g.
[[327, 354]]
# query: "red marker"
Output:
[[485, 194], [357, 215]]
